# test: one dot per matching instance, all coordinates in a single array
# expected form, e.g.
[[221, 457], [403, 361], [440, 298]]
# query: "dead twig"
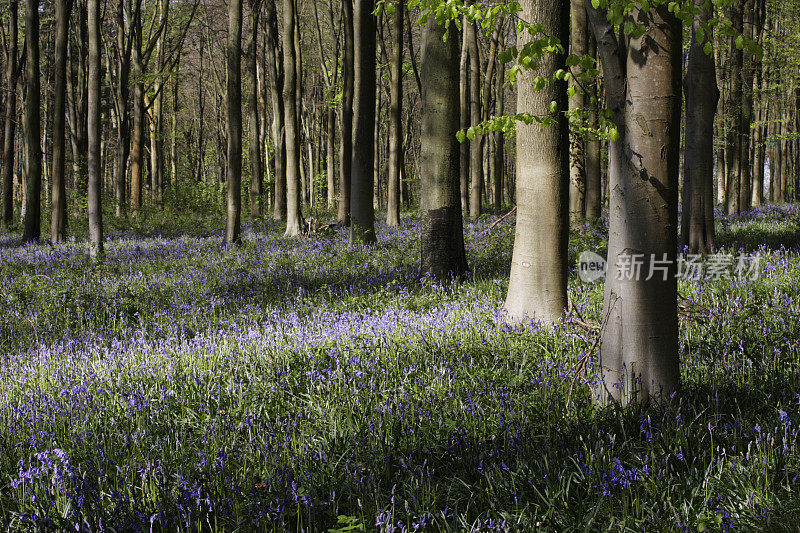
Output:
[[502, 218]]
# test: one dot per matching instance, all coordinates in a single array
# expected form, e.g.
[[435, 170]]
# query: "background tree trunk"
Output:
[[733, 144], [537, 288], [579, 44], [256, 169], [58, 210], [441, 220], [94, 135], [294, 217], [11, 117], [234, 171], [362, 227], [33, 172], [395, 117], [475, 145]]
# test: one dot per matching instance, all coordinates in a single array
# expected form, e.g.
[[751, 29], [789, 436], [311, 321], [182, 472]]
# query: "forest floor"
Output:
[[310, 385]]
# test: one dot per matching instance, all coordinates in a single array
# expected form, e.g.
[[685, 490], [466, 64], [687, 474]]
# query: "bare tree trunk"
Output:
[[256, 169], [733, 147], [94, 135], [58, 217], [464, 113], [362, 228], [11, 117], [702, 95], [33, 172], [748, 66], [275, 67], [234, 101], [579, 41], [475, 145], [499, 152], [137, 139], [294, 218], [639, 335], [157, 117], [537, 288], [395, 117], [594, 185], [346, 147], [442, 232]]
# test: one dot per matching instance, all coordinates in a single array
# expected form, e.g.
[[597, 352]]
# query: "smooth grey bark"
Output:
[[94, 135], [748, 75], [537, 288], [137, 137], [294, 217], [157, 110], [395, 118], [362, 226], [256, 168], [639, 328], [12, 74], [58, 200], [464, 111], [475, 145], [33, 173], [579, 45], [442, 234], [702, 95], [499, 151], [233, 220], [275, 66]]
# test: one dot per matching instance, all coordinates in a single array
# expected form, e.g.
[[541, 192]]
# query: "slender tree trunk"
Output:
[[294, 218], [94, 135], [33, 172], [234, 101], [123, 130], [256, 169], [464, 111], [748, 70], [348, 87], [579, 39], [58, 210], [11, 117], [157, 116], [475, 145], [499, 151], [275, 67], [594, 185], [733, 148], [702, 95], [537, 288], [442, 233], [395, 117], [362, 229], [137, 139], [639, 335]]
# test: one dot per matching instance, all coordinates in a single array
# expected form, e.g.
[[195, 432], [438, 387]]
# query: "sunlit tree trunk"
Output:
[[256, 168], [579, 43], [94, 135], [537, 288], [294, 218], [58, 208], [395, 117], [639, 335], [733, 146], [11, 116], [475, 145]]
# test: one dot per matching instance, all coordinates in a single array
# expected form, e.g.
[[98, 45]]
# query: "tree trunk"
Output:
[[346, 147], [11, 117], [475, 145], [702, 95], [748, 71], [275, 67], [639, 335], [733, 146], [94, 135], [256, 169], [234, 131], [294, 218], [137, 139], [594, 185], [123, 130], [58, 212], [537, 288], [395, 117], [464, 113], [579, 44], [499, 151], [362, 228], [33, 171], [442, 233], [157, 116]]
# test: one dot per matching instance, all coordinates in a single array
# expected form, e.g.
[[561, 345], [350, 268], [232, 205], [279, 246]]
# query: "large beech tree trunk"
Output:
[[395, 117], [702, 95], [94, 135], [639, 335], [362, 228], [537, 288], [234, 100], [33, 174], [441, 219], [275, 66], [11, 117], [294, 218]]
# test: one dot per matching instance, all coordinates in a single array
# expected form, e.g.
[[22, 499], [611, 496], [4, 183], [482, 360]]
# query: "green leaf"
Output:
[[471, 134], [740, 42]]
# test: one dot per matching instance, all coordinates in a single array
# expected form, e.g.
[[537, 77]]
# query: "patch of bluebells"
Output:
[[186, 386]]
